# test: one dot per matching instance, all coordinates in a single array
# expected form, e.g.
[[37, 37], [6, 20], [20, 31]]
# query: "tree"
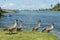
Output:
[[1, 13]]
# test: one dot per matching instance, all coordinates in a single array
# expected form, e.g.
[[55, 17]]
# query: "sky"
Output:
[[27, 4]]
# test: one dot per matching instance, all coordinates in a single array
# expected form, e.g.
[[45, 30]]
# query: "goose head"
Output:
[[52, 24], [39, 21]]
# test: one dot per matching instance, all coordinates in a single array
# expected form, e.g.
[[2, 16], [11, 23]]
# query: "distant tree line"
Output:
[[57, 7]]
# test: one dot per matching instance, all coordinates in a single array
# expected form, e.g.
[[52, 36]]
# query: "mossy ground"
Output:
[[26, 35]]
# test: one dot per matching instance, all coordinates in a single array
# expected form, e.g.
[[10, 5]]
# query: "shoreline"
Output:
[[26, 35]]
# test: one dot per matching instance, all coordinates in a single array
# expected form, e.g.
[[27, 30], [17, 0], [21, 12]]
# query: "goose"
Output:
[[12, 27], [37, 26], [19, 28], [48, 28]]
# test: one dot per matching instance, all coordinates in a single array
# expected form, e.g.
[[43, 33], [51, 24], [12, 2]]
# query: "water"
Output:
[[30, 19]]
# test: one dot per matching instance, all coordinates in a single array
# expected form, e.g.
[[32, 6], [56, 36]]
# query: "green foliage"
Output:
[[26, 35], [1, 12], [57, 7]]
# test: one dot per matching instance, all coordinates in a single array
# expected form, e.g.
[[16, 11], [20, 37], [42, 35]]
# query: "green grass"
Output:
[[26, 35]]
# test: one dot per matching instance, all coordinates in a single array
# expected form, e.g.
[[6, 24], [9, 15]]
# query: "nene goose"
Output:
[[48, 28], [19, 28], [11, 28], [37, 26]]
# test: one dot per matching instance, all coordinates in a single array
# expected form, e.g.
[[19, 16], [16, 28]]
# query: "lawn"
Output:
[[26, 35]]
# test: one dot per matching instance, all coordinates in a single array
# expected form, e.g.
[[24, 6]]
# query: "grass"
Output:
[[26, 35]]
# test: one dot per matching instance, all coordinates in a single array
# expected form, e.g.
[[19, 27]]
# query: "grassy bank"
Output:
[[26, 35]]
